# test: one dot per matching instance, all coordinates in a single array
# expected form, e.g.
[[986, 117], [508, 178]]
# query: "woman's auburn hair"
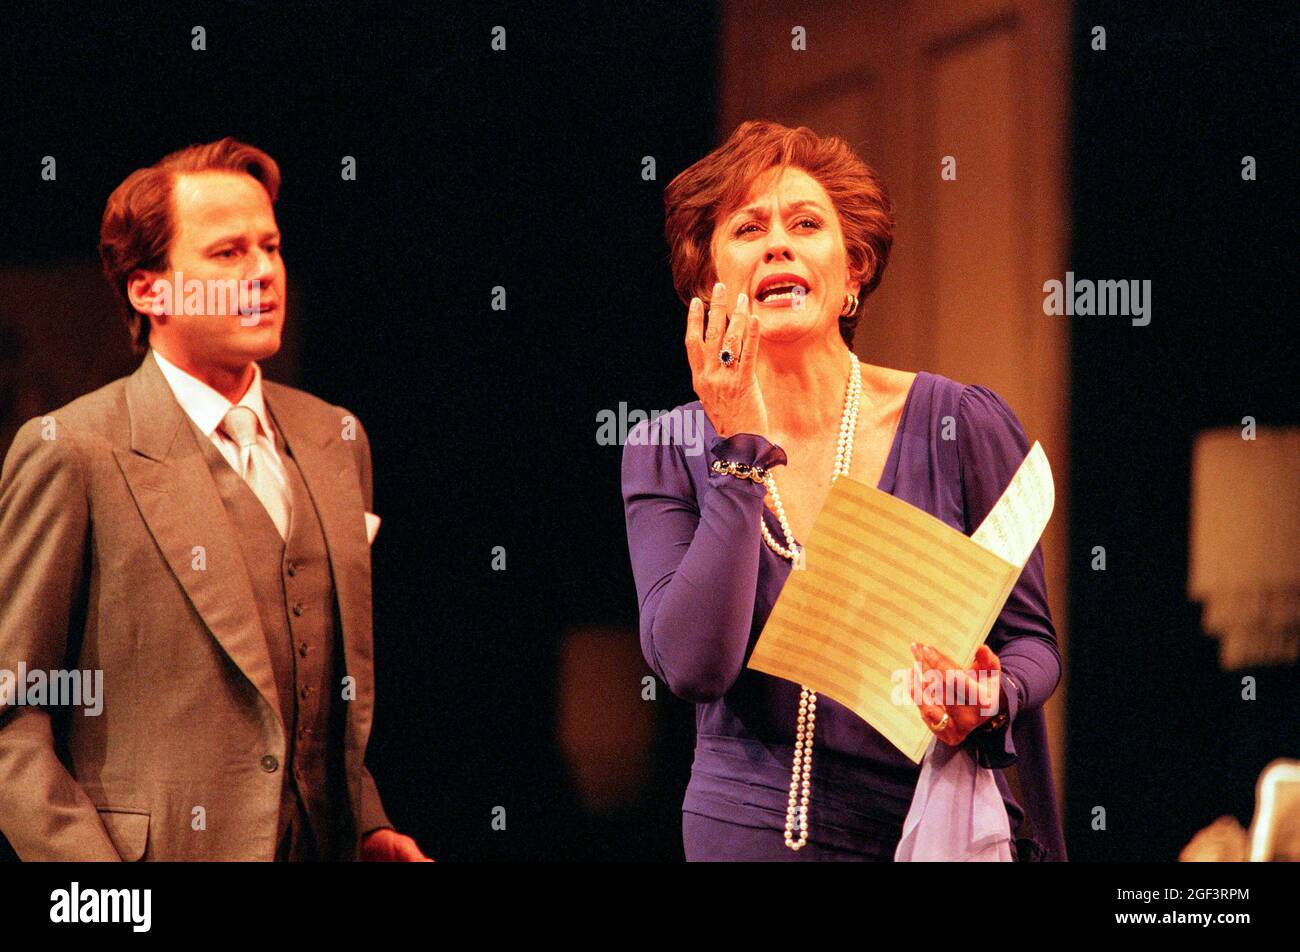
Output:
[[138, 226], [701, 196]]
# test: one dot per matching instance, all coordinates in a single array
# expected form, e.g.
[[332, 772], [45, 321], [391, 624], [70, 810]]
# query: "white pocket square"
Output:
[[372, 526]]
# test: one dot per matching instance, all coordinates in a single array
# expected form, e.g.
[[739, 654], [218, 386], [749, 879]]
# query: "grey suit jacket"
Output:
[[117, 554]]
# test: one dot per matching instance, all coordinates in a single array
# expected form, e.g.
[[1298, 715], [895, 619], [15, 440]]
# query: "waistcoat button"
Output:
[[270, 764]]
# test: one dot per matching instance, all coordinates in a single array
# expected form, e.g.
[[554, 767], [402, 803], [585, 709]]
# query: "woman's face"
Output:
[[787, 226]]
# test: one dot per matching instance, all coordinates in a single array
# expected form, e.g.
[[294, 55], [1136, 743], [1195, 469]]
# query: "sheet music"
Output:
[[879, 574], [1012, 528]]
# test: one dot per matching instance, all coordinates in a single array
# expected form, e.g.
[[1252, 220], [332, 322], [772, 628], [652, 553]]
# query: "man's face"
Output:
[[225, 237]]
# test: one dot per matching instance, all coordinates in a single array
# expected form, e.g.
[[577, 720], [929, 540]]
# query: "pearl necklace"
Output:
[[801, 768]]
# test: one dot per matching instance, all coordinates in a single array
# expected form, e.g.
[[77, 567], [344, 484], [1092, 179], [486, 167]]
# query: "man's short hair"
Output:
[[138, 225]]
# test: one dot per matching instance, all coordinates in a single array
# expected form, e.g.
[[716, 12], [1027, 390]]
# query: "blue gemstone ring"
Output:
[[727, 357]]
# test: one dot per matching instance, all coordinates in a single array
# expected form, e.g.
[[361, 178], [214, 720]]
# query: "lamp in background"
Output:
[[1274, 835], [1244, 552]]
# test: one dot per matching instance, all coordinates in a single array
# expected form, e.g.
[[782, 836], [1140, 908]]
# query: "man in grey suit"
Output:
[[198, 537]]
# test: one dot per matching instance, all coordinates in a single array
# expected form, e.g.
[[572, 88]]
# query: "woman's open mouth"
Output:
[[782, 290]]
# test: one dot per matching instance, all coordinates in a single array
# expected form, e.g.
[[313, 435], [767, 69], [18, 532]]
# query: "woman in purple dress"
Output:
[[777, 236]]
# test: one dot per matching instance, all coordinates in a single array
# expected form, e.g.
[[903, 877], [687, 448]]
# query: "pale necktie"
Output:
[[240, 424]]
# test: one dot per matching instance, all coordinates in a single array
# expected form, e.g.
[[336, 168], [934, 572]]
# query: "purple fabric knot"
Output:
[[749, 448]]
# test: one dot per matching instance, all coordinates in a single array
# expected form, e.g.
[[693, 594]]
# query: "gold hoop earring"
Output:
[[850, 305]]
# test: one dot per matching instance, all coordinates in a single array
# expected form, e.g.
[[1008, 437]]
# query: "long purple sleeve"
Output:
[[991, 445], [695, 556]]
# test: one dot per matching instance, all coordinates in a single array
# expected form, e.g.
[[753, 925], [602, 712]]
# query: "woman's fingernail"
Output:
[[719, 289], [695, 304], [741, 300]]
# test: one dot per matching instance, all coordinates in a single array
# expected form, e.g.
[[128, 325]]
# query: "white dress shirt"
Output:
[[207, 409]]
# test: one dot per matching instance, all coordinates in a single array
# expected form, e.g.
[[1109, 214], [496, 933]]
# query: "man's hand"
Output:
[[388, 846]]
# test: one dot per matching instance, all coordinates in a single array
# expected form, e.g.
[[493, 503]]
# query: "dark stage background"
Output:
[[1158, 734], [474, 170], [523, 170]]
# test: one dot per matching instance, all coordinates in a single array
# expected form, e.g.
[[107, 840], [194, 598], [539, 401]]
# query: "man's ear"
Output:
[[149, 293]]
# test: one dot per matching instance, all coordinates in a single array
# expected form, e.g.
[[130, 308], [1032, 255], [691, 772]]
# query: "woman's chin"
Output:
[[783, 326]]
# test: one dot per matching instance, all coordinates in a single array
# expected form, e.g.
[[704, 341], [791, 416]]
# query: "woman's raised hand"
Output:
[[730, 394]]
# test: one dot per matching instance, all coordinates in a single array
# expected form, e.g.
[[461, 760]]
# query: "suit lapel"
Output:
[[169, 477], [327, 469]]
